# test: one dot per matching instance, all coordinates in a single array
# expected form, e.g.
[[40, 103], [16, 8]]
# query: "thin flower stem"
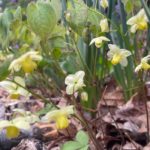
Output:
[[81, 117], [83, 63], [34, 94], [95, 61]]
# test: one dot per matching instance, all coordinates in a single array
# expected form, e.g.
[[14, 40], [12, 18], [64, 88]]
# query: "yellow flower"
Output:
[[26, 62], [104, 25], [144, 64], [14, 126], [62, 122], [104, 3], [59, 116], [15, 90], [74, 82], [99, 41], [117, 55], [138, 22]]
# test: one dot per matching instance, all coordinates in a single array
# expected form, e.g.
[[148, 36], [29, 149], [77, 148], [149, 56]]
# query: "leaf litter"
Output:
[[118, 125]]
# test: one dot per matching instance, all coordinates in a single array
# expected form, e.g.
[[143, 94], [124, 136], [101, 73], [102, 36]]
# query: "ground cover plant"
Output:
[[74, 74]]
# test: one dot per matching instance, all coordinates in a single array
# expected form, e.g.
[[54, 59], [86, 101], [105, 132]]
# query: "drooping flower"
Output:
[[117, 55], [104, 25], [104, 3], [15, 90], [99, 41], [14, 126], [138, 22], [144, 64], [59, 116], [74, 82], [27, 62]]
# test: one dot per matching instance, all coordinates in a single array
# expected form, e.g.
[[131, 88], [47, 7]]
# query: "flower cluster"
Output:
[[115, 54]]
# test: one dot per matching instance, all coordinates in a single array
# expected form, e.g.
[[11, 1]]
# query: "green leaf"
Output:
[[46, 109], [56, 4], [82, 16], [130, 5], [71, 145], [41, 18], [6, 19], [18, 14], [146, 8], [58, 31], [85, 148], [94, 17], [56, 43], [4, 70], [82, 138], [56, 53], [78, 17], [70, 63]]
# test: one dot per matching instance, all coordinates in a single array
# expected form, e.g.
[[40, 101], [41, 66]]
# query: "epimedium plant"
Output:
[[116, 23], [89, 41]]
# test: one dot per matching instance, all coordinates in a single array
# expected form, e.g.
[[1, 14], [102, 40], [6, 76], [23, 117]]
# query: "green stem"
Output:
[[34, 94], [82, 61]]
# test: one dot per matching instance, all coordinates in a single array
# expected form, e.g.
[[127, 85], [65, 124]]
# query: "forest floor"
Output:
[[118, 125]]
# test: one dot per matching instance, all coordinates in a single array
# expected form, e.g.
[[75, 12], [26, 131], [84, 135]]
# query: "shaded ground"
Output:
[[117, 125]]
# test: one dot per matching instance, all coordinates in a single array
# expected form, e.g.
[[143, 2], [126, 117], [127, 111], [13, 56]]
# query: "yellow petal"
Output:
[[145, 66], [28, 65], [62, 122], [12, 132], [143, 25], [14, 96], [116, 59]]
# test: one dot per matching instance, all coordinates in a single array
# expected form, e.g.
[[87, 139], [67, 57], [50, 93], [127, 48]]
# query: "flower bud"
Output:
[[84, 96], [104, 25]]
